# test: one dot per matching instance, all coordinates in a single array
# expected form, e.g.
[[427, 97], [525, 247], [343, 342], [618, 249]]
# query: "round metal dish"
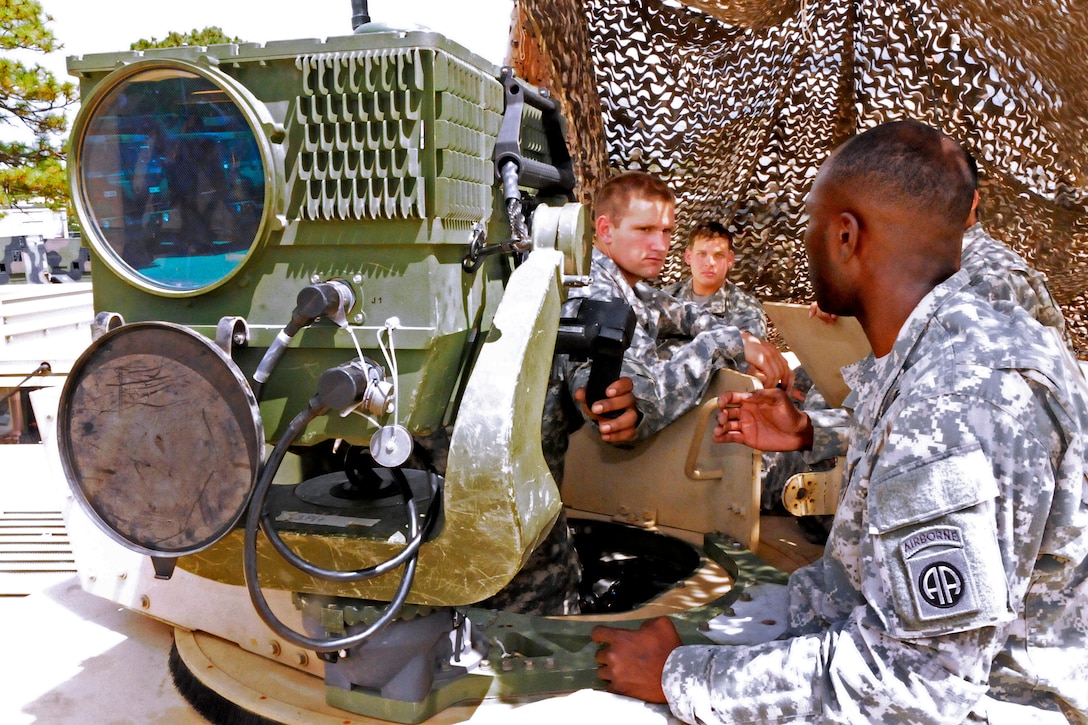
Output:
[[160, 438]]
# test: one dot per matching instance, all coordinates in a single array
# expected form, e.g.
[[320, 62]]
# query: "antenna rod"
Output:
[[360, 14]]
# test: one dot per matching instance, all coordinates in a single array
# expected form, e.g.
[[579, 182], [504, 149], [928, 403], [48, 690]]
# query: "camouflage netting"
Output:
[[737, 103]]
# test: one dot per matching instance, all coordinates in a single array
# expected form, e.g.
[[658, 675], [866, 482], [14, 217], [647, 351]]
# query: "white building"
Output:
[[30, 220]]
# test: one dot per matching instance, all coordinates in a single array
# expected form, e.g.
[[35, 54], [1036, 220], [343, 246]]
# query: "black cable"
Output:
[[332, 575], [256, 515], [40, 370]]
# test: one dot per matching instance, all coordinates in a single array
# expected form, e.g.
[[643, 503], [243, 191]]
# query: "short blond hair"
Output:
[[615, 195]]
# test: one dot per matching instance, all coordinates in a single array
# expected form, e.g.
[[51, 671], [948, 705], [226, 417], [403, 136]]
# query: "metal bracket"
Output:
[[645, 518], [552, 178], [693, 469], [231, 331], [479, 248], [104, 322], [164, 566], [813, 493]]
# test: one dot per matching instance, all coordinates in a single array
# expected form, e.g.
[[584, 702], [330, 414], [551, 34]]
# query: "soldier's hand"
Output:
[[825, 317], [631, 661], [766, 363], [618, 396], [766, 420]]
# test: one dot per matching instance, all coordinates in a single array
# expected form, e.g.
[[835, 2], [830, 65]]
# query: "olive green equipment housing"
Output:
[[306, 243], [219, 182]]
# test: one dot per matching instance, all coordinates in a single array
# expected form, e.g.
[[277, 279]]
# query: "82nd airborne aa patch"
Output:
[[938, 572]]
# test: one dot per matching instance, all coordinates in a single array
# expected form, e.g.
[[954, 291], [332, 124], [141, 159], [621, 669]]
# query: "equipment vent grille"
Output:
[[34, 551]]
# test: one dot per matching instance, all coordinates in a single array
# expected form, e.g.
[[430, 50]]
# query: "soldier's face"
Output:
[[638, 242], [821, 241], [710, 259]]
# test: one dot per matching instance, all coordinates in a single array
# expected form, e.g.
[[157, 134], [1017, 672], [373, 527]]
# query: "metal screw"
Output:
[[274, 648], [302, 658], [145, 602]]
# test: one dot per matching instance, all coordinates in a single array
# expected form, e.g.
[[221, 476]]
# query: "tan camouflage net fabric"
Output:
[[737, 103]]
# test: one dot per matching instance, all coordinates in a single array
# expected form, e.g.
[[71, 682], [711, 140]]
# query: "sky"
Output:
[[108, 26], [111, 26]]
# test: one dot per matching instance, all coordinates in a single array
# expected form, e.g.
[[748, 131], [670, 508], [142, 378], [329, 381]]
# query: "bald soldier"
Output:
[[953, 585]]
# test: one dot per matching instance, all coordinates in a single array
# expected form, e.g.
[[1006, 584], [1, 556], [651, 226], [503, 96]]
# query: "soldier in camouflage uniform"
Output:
[[954, 586], [635, 214], [998, 273], [710, 257]]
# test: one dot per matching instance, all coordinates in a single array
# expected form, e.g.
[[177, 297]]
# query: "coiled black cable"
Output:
[[257, 517]]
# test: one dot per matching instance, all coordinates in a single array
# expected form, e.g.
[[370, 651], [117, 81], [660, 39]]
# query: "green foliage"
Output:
[[32, 102], [213, 35]]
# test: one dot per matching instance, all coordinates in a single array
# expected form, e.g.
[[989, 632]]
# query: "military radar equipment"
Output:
[[222, 181]]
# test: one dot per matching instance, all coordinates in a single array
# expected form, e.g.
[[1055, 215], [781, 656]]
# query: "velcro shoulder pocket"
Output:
[[935, 541]]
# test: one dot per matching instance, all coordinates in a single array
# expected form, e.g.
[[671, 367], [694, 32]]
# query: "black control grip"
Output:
[[554, 178], [603, 371], [599, 331]]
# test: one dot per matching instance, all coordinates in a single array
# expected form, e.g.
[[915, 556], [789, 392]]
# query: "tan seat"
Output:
[[677, 479]]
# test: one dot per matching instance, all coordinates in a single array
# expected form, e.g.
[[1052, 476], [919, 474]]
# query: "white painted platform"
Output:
[[71, 658], [74, 658]]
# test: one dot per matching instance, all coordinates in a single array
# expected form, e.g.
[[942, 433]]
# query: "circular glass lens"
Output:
[[173, 179]]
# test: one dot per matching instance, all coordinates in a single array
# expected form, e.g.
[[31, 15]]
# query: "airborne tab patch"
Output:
[[939, 575]]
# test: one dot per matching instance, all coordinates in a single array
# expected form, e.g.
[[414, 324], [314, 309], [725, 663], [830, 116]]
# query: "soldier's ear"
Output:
[[604, 229], [849, 235]]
